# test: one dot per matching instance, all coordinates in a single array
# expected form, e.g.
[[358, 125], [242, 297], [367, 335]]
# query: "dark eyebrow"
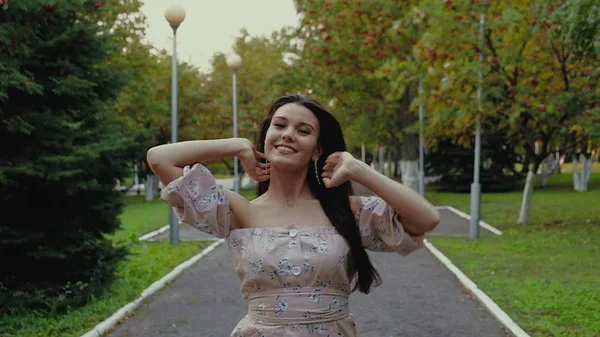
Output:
[[301, 123]]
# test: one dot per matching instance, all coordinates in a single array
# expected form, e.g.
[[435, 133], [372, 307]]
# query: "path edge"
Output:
[[154, 233], [468, 217], [108, 324], [481, 296]]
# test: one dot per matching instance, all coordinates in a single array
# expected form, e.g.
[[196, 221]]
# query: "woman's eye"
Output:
[[304, 132], [279, 125]]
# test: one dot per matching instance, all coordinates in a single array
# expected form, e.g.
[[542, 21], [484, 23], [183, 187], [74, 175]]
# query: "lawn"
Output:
[[545, 275], [148, 262]]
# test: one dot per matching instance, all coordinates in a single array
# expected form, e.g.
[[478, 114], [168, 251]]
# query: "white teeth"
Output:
[[286, 149]]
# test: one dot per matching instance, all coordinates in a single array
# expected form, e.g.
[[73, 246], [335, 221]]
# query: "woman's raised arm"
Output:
[[167, 161]]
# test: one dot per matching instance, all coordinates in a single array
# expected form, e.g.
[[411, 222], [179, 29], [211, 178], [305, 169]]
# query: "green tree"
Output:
[[144, 105], [578, 21], [262, 77], [352, 45], [61, 152], [535, 86]]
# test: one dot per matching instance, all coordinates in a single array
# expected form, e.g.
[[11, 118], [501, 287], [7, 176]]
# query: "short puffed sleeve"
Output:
[[381, 229], [199, 201]]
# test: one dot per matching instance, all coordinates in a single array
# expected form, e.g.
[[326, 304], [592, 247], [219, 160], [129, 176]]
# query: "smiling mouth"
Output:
[[285, 149]]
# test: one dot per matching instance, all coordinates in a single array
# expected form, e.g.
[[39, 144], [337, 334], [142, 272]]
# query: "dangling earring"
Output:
[[317, 172]]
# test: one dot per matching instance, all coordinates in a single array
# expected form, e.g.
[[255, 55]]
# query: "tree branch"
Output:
[[562, 59], [490, 44]]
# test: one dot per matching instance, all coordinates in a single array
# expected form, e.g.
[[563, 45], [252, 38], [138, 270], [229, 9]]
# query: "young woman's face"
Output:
[[292, 136]]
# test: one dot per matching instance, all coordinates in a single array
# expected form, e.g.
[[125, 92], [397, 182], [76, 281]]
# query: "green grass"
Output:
[[141, 217], [148, 262], [545, 275]]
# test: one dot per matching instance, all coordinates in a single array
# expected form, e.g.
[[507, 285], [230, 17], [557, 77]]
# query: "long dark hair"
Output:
[[335, 201]]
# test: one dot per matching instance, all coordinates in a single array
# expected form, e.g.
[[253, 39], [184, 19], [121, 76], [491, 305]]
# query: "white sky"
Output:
[[211, 25]]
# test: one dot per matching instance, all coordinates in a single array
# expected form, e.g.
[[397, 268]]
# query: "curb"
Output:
[[482, 297], [103, 327], [468, 217], [153, 233]]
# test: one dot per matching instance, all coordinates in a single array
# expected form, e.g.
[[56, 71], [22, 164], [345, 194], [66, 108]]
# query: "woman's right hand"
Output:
[[249, 159]]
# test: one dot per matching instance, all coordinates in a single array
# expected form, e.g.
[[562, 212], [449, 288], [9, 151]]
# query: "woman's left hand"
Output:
[[338, 169]]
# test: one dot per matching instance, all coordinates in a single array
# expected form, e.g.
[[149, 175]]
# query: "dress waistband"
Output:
[[298, 305]]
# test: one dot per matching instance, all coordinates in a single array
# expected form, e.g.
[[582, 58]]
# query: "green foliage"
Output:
[[61, 152], [353, 47], [535, 87], [578, 22]]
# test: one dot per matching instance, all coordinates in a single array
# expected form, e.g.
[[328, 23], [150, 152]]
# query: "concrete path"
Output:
[[419, 297]]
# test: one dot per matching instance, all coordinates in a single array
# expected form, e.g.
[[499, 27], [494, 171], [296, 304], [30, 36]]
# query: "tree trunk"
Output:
[[375, 161], [151, 187], [581, 176], [550, 166], [409, 149], [525, 168], [526, 201], [410, 173], [389, 163]]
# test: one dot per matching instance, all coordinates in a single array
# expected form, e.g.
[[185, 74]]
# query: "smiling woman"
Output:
[[299, 248]]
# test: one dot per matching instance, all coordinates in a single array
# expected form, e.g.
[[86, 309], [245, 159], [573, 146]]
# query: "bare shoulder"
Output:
[[240, 209]]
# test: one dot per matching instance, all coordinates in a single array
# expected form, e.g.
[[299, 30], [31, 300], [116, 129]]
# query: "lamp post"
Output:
[[476, 186], [421, 142], [234, 62], [175, 15]]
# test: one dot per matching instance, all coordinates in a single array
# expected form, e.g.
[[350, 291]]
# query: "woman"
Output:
[[299, 247]]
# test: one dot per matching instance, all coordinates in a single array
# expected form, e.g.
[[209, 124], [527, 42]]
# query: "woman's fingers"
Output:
[[264, 178], [261, 173], [263, 165], [330, 166], [333, 156], [332, 160], [259, 154]]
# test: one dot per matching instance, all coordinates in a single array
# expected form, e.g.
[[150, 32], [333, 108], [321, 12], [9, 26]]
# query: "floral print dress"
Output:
[[294, 278]]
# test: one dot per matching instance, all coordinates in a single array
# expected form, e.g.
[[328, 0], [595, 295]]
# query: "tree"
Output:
[[144, 105], [350, 45], [578, 21], [577, 24], [261, 79], [534, 86], [61, 152]]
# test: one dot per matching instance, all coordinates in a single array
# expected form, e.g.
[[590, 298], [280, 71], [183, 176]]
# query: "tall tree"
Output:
[[260, 80], [576, 23], [346, 43], [144, 105], [61, 151], [534, 86]]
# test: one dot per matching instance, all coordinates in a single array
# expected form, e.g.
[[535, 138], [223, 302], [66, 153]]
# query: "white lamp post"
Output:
[[476, 186], [421, 141], [175, 15], [234, 62]]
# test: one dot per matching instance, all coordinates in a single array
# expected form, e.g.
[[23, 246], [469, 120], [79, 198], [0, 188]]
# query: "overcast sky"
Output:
[[210, 25]]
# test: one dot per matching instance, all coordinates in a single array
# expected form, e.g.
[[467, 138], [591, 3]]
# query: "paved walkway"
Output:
[[419, 297]]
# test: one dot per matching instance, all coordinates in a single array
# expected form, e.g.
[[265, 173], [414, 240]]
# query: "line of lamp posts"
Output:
[[175, 15]]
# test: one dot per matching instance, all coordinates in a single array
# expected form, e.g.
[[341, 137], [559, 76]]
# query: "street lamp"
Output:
[[175, 15], [421, 142], [234, 62], [476, 186]]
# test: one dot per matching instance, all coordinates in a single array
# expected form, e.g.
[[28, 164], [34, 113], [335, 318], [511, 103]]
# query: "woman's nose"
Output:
[[287, 135]]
